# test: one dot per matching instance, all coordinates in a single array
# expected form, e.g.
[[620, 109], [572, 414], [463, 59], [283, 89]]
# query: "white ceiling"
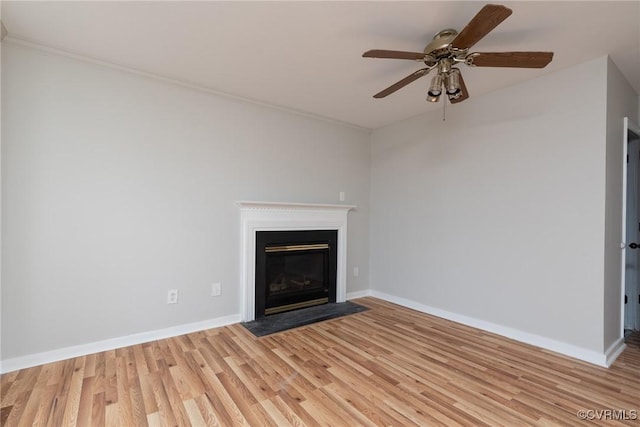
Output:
[[306, 56]]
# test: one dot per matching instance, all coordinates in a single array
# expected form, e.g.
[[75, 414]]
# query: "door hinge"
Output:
[[627, 158], [625, 299]]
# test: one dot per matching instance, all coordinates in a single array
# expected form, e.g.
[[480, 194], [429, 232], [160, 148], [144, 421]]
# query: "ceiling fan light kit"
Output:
[[453, 82], [449, 47], [435, 89]]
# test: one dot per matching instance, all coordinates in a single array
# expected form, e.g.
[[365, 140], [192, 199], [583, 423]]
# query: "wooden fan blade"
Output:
[[464, 93], [402, 83], [393, 54], [489, 17], [511, 59]]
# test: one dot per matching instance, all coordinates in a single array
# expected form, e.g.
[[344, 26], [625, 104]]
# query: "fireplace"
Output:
[[294, 269], [256, 217]]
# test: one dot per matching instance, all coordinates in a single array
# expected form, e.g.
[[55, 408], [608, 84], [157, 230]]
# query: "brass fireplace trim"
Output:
[[291, 248], [297, 305]]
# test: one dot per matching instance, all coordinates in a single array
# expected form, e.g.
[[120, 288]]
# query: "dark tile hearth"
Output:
[[305, 316]]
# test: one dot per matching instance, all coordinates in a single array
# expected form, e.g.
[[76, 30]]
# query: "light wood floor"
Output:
[[386, 366]]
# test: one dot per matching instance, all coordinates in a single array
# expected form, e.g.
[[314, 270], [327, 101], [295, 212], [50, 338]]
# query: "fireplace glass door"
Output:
[[294, 269]]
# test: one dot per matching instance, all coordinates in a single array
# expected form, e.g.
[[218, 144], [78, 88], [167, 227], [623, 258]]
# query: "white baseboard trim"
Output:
[[614, 351], [580, 353], [586, 355], [30, 360], [358, 294]]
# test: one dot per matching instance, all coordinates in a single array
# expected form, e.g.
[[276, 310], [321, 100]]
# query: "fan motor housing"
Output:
[[439, 46]]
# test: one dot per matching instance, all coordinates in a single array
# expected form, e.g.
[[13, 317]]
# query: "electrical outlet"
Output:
[[341, 196], [216, 289], [356, 271], [172, 296]]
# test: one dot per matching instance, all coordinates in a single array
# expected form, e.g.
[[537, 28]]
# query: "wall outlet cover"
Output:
[[172, 296], [216, 289]]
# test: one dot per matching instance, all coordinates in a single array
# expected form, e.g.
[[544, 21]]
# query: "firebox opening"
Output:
[[294, 269]]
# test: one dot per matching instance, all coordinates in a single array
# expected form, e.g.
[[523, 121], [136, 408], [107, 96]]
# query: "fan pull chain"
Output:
[[444, 110]]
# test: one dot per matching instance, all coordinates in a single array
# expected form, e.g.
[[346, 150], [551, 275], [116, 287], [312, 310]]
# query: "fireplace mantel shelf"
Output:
[[291, 206], [283, 216]]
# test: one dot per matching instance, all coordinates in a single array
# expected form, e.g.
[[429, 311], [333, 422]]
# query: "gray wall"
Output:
[[117, 187], [498, 213]]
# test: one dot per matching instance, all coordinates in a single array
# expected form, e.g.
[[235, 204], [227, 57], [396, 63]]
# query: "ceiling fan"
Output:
[[450, 47]]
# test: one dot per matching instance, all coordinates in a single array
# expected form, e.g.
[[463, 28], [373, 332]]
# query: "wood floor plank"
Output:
[[208, 412], [4, 414], [268, 408], [318, 407], [62, 392], [172, 394], [35, 399], [98, 411], [164, 407], [388, 366], [241, 398], [85, 405], [294, 404], [193, 412], [154, 420], [18, 408], [70, 415], [219, 398], [43, 404], [150, 356]]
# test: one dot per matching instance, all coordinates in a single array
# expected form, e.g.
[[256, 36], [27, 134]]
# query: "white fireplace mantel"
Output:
[[279, 216]]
